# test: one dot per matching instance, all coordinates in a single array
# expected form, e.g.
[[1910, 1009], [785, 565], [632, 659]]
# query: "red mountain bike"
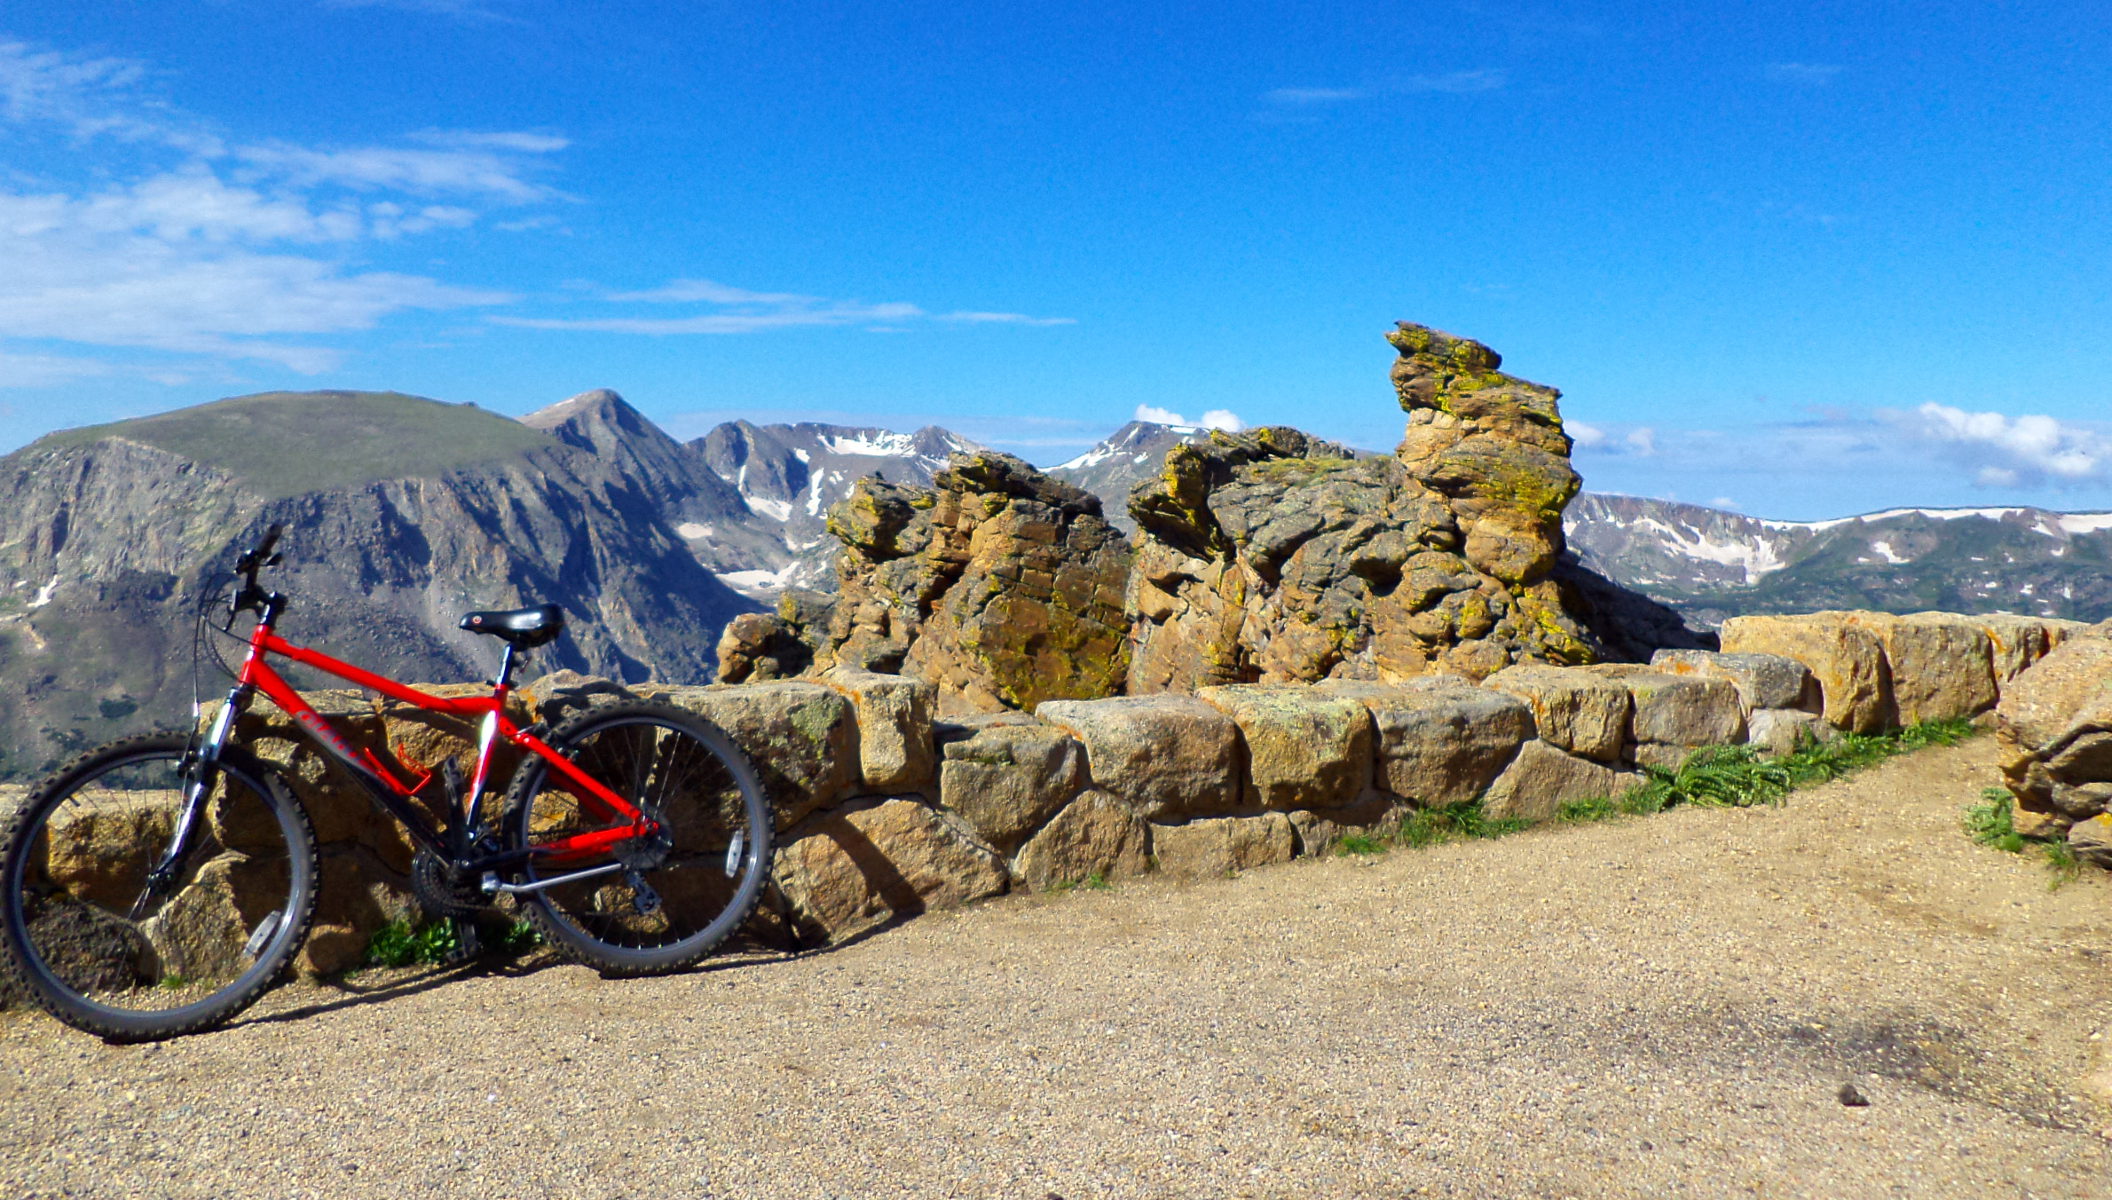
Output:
[[159, 885]]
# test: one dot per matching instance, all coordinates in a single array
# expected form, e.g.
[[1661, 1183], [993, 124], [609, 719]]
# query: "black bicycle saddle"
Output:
[[524, 627]]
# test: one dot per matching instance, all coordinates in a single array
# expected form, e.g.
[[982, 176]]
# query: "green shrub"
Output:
[[434, 943], [399, 944], [1993, 822]]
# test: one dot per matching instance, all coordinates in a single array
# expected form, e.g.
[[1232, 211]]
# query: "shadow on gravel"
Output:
[[354, 991]]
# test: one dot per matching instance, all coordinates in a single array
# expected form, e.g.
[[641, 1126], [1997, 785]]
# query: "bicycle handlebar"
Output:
[[255, 559]]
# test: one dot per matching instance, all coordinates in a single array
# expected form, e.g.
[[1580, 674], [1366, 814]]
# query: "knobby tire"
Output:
[[709, 877], [73, 860]]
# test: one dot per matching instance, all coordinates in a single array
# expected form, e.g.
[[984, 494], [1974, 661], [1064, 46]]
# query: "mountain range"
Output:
[[1710, 564], [402, 512]]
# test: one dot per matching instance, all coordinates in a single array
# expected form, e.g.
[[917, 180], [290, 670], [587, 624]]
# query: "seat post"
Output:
[[506, 667]]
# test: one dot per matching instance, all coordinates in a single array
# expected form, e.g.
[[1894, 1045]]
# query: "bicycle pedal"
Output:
[[468, 946], [643, 897]]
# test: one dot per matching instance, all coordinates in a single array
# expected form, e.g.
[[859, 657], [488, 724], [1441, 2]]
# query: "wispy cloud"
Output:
[[735, 310], [43, 370], [1803, 74], [704, 291], [217, 251], [477, 11], [492, 165], [91, 97], [1314, 95], [1457, 83], [1004, 318]]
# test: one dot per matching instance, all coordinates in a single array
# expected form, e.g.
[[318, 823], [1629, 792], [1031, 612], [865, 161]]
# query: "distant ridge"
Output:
[[1711, 564], [285, 443]]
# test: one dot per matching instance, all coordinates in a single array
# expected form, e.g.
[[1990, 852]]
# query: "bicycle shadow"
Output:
[[748, 950]]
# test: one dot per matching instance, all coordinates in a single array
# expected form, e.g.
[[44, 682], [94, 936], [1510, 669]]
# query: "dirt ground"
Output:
[[1665, 1006]]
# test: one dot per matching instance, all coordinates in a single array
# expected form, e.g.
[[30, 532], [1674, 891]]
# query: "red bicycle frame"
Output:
[[393, 794]]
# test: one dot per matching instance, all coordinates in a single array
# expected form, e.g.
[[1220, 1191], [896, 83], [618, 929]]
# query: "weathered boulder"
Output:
[[894, 714], [759, 647], [1373, 815], [801, 738], [1780, 731], [1095, 836], [1762, 680], [1847, 659], [1214, 848], [1006, 774], [1000, 585], [1305, 749], [874, 859], [1675, 714], [1576, 710], [1440, 740], [2092, 840], [2016, 642], [356, 895], [1941, 664], [2054, 731], [1167, 757], [1543, 778]]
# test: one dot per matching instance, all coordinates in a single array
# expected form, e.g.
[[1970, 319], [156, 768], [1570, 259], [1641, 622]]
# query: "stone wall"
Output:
[[885, 807]]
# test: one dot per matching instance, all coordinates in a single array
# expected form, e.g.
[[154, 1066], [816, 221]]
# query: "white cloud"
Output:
[[1636, 440], [1217, 418], [737, 310], [1725, 502], [189, 247], [2010, 450]]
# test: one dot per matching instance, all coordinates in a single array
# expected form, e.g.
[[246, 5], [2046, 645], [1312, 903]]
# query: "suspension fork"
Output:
[[201, 770]]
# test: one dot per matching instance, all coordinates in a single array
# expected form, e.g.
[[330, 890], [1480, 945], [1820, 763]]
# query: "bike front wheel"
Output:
[[99, 945], [647, 904]]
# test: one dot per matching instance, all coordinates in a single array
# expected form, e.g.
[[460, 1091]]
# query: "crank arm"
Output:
[[492, 885]]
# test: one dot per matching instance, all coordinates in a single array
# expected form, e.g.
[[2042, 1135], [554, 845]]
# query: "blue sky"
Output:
[[1777, 257]]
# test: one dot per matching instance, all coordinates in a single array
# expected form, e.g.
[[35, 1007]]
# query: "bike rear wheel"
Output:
[[85, 935], [674, 898]]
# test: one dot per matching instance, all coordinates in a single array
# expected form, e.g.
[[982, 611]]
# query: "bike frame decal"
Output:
[[394, 795]]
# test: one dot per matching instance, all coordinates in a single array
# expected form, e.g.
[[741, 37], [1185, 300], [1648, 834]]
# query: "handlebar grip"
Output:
[[271, 538]]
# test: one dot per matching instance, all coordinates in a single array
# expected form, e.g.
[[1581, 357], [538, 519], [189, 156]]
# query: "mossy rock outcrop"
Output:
[[1272, 556]]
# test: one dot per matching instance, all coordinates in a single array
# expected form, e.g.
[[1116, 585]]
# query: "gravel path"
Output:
[[1658, 1007]]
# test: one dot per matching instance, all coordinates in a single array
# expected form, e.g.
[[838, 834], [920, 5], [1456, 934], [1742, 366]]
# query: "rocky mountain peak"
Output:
[[598, 408]]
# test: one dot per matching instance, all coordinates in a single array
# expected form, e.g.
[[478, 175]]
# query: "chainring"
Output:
[[444, 891]]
